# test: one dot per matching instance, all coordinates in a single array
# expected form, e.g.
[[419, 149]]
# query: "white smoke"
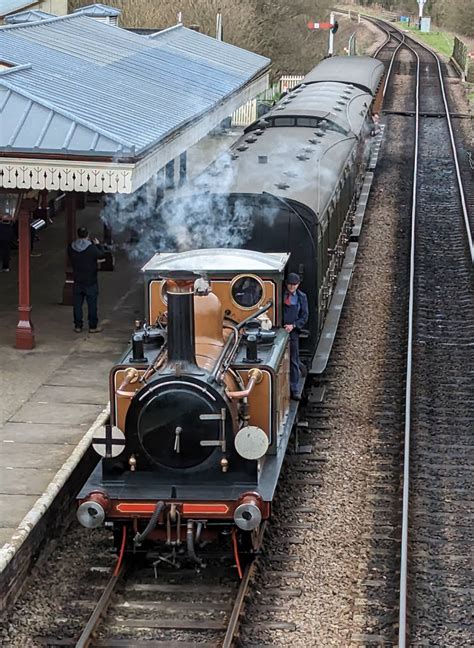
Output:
[[200, 220], [202, 215]]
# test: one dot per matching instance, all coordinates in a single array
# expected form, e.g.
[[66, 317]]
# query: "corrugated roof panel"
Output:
[[98, 10], [38, 115], [131, 89], [27, 17], [7, 6]]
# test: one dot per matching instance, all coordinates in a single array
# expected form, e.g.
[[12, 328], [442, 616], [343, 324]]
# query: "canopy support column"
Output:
[[169, 175], [70, 237], [25, 336], [183, 163]]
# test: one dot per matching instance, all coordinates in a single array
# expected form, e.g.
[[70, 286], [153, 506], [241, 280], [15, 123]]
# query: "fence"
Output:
[[462, 60], [352, 46], [246, 114], [250, 111], [288, 82]]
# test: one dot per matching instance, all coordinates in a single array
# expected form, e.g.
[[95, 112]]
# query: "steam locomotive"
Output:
[[201, 413]]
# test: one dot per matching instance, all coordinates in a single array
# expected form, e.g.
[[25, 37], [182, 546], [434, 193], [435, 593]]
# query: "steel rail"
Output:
[[87, 636], [247, 577], [394, 54], [454, 151], [380, 48], [403, 593], [237, 609], [100, 609], [462, 195], [402, 619], [402, 632]]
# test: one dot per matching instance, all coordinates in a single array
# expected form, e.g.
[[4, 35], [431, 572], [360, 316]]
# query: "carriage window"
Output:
[[312, 122], [247, 291], [284, 121]]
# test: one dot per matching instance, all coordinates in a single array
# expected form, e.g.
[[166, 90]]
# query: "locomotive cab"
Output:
[[200, 402]]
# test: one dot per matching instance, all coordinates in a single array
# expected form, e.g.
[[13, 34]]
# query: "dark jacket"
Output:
[[84, 256], [296, 315], [6, 232]]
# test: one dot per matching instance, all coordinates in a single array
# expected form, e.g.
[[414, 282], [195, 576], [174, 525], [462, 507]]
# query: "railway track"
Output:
[[161, 605], [421, 597], [436, 534], [437, 537]]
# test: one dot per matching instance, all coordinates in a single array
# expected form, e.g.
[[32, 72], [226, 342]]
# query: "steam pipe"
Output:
[[224, 355], [190, 542], [140, 537], [131, 376], [154, 366], [260, 311], [255, 377], [231, 341]]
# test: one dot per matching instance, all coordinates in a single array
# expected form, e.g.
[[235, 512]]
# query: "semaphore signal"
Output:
[[324, 25], [332, 26]]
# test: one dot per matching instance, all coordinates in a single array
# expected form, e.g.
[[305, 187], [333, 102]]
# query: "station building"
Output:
[[87, 107]]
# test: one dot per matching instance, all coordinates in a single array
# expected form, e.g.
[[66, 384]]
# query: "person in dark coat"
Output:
[[6, 238], [295, 316], [84, 255]]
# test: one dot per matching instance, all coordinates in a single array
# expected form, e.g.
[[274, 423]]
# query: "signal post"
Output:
[[332, 26]]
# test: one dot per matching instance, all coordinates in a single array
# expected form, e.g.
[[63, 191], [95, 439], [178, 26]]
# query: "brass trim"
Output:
[[247, 275]]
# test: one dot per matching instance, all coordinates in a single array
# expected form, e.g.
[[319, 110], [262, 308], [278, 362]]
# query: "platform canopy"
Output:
[[33, 15], [10, 6], [86, 106]]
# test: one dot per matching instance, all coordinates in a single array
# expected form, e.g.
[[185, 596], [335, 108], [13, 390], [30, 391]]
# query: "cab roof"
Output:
[[217, 260]]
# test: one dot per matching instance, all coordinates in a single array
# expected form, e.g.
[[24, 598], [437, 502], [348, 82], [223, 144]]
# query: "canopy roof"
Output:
[[98, 10], [9, 6], [33, 15], [79, 89], [218, 260]]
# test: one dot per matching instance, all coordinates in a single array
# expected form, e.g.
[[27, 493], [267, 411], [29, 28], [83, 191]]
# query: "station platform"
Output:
[[52, 395]]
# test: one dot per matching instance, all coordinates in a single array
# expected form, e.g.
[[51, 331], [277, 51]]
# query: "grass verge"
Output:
[[441, 42]]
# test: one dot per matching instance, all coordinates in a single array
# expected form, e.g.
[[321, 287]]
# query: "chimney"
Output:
[[181, 338]]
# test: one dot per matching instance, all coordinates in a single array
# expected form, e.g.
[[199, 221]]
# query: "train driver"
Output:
[[295, 316]]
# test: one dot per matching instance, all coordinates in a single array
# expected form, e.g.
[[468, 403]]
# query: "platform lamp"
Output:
[[9, 203]]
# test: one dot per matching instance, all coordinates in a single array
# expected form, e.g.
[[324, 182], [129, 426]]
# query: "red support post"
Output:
[[70, 236], [44, 199], [25, 337]]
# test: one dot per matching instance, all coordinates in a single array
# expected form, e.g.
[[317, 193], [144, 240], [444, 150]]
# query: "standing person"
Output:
[[376, 124], [295, 316], [84, 255], [6, 238]]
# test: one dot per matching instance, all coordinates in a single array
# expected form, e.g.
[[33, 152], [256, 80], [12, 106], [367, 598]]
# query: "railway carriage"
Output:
[[200, 407]]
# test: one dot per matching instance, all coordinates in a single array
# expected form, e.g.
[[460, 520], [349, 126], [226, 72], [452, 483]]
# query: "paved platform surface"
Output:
[[50, 396]]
